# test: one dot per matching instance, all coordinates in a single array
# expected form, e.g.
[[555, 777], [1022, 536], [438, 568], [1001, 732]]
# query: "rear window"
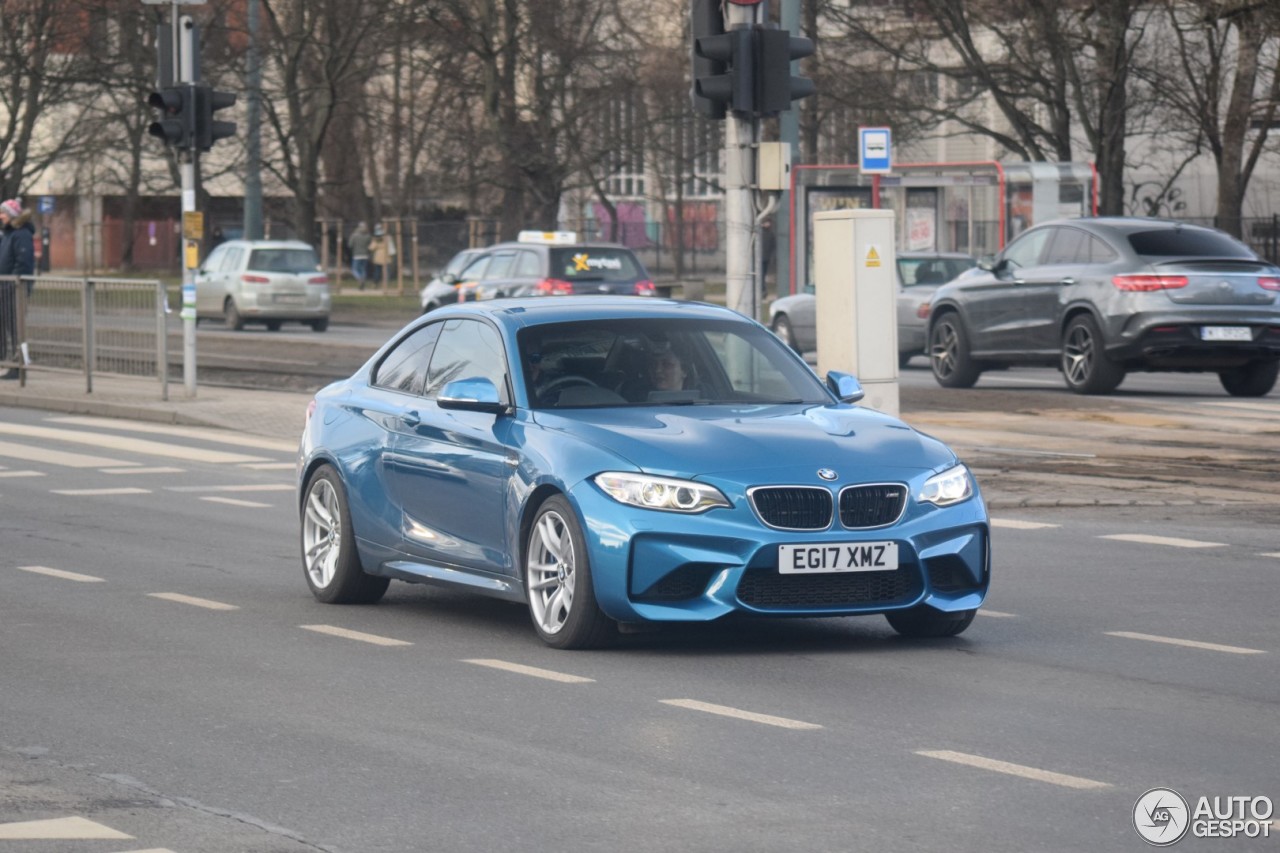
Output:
[[283, 260], [1187, 242], [595, 263]]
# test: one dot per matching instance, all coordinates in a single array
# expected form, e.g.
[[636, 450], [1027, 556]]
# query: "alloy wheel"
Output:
[[1078, 355], [321, 533], [551, 572]]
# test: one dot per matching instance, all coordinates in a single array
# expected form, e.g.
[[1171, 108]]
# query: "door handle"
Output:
[[411, 417], [1068, 280]]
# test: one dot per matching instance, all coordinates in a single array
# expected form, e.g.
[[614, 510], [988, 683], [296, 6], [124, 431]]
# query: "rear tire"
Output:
[[330, 561], [557, 580], [319, 325], [1255, 379], [949, 356], [925, 621], [1085, 366], [782, 328], [231, 313], [273, 325]]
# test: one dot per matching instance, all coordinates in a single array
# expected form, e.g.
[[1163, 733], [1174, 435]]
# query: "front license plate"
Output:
[[838, 557], [1226, 333]]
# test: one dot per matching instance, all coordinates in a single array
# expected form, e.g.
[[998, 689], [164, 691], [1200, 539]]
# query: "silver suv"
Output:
[[263, 281]]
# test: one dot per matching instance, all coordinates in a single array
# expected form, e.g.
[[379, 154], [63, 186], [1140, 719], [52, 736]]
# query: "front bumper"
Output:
[[665, 567]]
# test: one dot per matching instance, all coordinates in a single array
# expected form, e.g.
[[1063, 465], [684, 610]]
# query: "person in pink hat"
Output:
[[17, 247]]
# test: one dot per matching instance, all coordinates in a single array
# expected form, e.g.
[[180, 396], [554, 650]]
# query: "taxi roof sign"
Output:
[[553, 238]]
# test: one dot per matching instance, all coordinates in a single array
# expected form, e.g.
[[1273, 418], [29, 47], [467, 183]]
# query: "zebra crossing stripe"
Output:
[[59, 829]]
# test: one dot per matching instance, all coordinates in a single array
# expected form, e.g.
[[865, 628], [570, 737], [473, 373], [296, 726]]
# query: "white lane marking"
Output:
[[1269, 408], [63, 458], [1173, 541], [234, 502], [335, 631], [1273, 554], [738, 713], [132, 445], [550, 675], [149, 850], [253, 487], [269, 466], [997, 614], [1190, 644], [1018, 524], [1077, 782], [21, 473], [1020, 451], [220, 436], [96, 493], [159, 469], [59, 573], [192, 600], [59, 829]]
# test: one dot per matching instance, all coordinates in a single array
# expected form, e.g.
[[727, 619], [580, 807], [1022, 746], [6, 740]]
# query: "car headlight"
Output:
[[950, 487], [662, 493]]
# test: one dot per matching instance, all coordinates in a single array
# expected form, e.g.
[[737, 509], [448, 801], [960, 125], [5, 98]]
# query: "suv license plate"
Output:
[[838, 557], [1226, 333]]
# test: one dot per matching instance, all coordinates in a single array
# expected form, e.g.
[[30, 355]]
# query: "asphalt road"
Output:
[[166, 675]]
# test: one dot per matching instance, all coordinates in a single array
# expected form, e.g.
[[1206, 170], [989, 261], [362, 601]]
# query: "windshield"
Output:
[[650, 362], [595, 263], [283, 260]]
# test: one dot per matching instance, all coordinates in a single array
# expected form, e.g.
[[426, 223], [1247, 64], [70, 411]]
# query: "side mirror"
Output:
[[476, 394], [845, 386], [987, 262]]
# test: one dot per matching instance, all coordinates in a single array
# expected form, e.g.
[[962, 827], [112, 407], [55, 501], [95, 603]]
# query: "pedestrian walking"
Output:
[[17, 258], [359, 246], [382, 252]]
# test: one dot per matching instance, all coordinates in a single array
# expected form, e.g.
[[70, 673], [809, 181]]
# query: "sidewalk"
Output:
[[276, 414]]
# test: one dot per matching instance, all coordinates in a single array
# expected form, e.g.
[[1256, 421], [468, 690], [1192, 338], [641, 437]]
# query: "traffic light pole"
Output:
[[190, 247], [739, 174]]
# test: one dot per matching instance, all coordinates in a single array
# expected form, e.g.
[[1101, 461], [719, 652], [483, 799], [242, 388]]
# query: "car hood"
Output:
[[756, 444]]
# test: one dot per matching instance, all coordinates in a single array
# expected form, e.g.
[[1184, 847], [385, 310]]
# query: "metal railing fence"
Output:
[[94, 325]]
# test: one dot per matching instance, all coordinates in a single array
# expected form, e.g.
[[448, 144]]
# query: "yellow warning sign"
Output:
[[193, 225], [873, 256], [192, 254]]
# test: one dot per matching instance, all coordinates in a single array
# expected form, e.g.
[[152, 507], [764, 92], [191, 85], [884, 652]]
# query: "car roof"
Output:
[[536, 310], [1127, 224], [963, 256], [581, 244]]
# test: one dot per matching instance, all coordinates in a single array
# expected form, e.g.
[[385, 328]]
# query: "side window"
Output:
[[216, 257], [467, 349], [232, 261], [1026, 250], [500, 266], [1100, 252], [1069, 246], [404, 368], [528, 266], [474, 271]]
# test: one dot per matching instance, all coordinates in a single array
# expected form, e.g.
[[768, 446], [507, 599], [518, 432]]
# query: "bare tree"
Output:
[[1221, 84]]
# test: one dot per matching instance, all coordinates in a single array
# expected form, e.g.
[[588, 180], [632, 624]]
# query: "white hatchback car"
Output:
[[263, 281]]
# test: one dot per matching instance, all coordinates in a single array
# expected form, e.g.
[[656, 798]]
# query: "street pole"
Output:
[[190, 247], [739, 174], [253, 144]]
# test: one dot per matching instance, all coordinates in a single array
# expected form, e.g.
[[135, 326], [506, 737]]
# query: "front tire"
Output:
[[925, 621], [1255, 379], [1085, 365], [782, 328], [953, 366], [557, 578], [329, 558], [320, 325]]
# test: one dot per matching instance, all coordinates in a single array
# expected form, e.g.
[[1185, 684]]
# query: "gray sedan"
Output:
[[1102, 297], [919, 275]]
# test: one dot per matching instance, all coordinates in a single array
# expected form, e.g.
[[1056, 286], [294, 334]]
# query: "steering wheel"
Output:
[[565, 382]]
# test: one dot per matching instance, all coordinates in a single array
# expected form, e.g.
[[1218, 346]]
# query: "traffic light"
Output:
[[176, 125], [732, 60], [208, 130], [706, 19], [776, 88]]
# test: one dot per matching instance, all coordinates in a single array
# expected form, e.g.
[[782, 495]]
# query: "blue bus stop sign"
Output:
[[46, 204], [875, 150]]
